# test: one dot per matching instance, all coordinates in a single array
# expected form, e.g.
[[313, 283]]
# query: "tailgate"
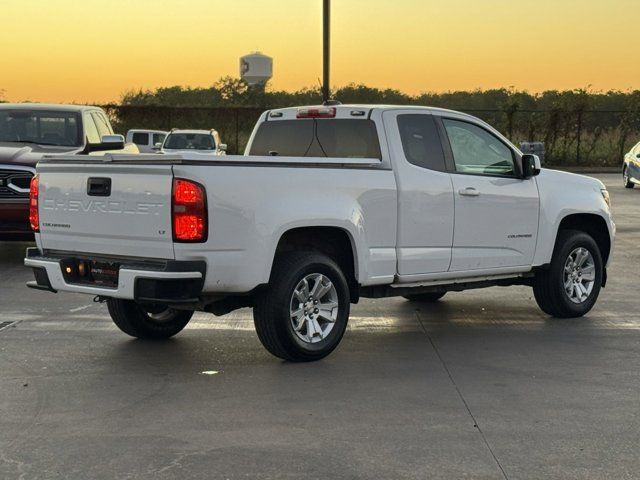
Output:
[[106, 209]]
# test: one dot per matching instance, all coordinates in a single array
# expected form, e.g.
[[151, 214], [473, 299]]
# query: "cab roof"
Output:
[[362, 111], [48, 107], [145, 130], [191, 131]]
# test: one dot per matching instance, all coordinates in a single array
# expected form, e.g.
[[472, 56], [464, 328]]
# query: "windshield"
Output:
[[189, 141], [40, 127]]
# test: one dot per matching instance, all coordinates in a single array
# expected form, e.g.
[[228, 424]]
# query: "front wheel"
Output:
[[149, 322], [570, 286], [303, 313]]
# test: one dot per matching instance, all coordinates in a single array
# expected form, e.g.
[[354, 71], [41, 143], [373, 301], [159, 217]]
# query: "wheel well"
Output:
[[331, 241], [592, 224]]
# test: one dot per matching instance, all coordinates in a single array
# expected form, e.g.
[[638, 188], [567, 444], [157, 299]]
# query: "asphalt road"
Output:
[[481, 385]]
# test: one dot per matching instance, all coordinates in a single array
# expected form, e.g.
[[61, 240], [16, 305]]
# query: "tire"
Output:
[[425, 297], [147, 322], [549, 285], [285, 325], [626, 180]]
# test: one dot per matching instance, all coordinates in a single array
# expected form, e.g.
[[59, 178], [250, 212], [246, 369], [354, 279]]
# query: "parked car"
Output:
[[631, 167], [194, 141], [328, 205], [146, 140], [30, 131]]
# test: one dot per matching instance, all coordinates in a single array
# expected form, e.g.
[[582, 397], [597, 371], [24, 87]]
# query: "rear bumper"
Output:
[[167, 281]]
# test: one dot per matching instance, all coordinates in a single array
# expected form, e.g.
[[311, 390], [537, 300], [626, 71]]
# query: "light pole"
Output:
[[326, 47]]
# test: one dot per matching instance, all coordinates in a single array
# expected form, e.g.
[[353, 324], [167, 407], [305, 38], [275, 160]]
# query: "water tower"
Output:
[[256, 69]]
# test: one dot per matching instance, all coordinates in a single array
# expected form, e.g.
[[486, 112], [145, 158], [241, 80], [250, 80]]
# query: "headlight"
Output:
[[605, 195]]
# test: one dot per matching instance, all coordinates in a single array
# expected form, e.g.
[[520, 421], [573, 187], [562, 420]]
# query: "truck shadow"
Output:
[[462, 310]]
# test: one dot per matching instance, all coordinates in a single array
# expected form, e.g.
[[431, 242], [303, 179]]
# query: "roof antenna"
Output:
[[326, 50]]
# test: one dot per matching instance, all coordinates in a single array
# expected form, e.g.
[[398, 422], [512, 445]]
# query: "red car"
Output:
[[30, 131]]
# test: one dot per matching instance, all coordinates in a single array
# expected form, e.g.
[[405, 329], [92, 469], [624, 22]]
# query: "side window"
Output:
[[477, 151], [106, 122], [421, 141], [158, 138], [101, 123], [90, 129], [140, 138]]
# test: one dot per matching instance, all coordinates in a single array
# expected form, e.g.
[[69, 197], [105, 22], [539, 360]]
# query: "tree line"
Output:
[[233, 92], [578, 127]]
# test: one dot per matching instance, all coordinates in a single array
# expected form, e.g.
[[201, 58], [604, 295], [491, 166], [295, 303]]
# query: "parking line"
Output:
[[5, 325], [78, 309]]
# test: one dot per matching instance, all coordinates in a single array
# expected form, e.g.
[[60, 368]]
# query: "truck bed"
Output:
[[251, 202]]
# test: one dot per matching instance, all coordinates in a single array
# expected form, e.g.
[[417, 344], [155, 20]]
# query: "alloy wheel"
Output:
[[579, 275], [314, 308]]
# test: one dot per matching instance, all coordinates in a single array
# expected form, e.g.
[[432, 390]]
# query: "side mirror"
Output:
[[531, 165], [157, 146], [222, 147], [107, 142]]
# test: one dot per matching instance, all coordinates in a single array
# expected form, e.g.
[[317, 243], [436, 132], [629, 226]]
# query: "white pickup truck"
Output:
[[329, 204]]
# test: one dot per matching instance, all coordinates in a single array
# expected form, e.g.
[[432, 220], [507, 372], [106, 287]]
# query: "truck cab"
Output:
[[444, 162]]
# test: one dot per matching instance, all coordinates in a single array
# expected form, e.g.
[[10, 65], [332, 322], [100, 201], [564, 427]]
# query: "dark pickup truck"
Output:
[[30, 131]]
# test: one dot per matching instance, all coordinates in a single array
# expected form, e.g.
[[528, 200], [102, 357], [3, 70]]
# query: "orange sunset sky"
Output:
[[94, 50]]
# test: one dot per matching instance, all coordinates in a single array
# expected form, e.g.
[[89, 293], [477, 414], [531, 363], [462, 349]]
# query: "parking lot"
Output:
[[480, 385]]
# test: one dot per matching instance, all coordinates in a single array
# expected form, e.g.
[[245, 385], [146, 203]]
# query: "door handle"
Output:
[[469, 192]]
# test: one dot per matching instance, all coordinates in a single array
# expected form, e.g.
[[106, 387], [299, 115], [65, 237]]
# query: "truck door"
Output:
[[496, 211], [425, 193]]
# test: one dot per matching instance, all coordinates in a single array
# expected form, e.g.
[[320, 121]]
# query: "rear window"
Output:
[[287, 138], [333, 138]]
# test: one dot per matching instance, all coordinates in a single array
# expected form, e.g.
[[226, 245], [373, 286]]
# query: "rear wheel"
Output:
[[303, 313], [626, 180], [150, 322], [570, 286], [425, 297]]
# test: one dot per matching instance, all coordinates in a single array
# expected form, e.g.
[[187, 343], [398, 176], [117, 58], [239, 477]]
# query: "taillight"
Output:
[[189, 210], [316, 112], [34, 216]]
